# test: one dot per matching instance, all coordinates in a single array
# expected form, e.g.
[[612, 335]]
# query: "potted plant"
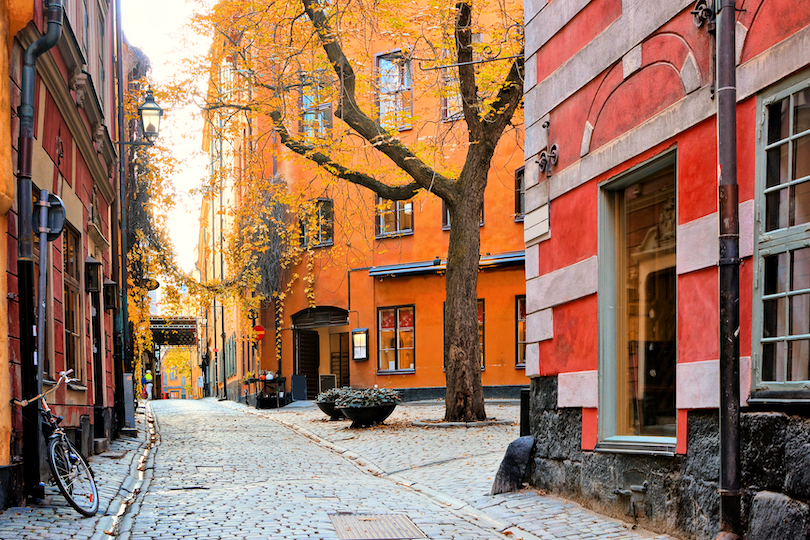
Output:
[[367, 406], [248, 378], [326, 402]]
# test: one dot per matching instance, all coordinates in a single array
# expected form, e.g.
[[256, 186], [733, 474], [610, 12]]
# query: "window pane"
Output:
[[800, 265], [406, 359], [773, 360], [801, 111], [799, 315], [778, 121], [773, 314], [800, 197], [776, 210], [798, 361], [775, 270], [801, 157], [777, 162], [388, 360], [647, 281]]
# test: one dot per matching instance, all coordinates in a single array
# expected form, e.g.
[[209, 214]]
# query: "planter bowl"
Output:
[[368, 416], [328, 408]]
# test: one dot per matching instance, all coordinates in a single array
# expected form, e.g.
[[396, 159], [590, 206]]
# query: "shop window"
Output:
[[71, 276], [637, 294], [782, 275], [396, 338], [395, 91], [393, 217], [520, 331]]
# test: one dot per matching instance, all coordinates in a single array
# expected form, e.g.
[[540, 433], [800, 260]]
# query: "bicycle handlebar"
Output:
[[63, 378]]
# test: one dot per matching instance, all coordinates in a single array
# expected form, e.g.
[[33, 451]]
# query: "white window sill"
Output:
[[650, 446]]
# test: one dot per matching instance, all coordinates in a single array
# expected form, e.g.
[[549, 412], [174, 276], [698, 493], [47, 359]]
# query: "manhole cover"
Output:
[[208, 468], [375, 527]]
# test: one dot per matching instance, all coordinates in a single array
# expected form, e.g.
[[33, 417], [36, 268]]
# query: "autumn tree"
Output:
[[281, 55]]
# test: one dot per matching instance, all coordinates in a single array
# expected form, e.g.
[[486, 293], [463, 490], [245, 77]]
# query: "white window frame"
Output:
[[774, 242]]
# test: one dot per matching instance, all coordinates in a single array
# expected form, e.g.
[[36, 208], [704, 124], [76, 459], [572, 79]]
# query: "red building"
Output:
[[622, 254]]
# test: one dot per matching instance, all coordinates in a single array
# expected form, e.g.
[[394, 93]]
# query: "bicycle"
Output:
[[71, 473]]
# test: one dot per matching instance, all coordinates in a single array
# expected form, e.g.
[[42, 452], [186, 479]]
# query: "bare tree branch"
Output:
[[350, 112], [394, 193]]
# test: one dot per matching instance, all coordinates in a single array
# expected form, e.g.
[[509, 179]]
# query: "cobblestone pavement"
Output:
[[456, 467], [54, 519]]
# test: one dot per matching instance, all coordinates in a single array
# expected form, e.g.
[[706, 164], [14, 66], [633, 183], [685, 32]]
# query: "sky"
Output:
[[159, 29]]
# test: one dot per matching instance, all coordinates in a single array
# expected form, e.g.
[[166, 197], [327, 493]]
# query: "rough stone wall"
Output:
[[681, 491]]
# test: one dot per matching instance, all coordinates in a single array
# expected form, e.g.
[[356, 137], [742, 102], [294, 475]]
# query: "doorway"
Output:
[[339, 358], [307, 359]]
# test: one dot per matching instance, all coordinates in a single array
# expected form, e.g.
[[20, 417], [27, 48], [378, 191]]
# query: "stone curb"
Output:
[[118, 526], [107, 522], [458, 507], [440, 424]]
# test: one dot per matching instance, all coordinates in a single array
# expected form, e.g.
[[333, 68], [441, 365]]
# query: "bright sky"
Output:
[[158, 28]]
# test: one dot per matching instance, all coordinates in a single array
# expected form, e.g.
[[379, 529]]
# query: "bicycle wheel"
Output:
[[73, 476]]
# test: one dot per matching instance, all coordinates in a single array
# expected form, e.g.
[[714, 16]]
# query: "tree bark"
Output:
[[464, 399]]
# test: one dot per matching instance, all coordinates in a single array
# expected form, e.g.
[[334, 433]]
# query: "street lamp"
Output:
[[150, 113]]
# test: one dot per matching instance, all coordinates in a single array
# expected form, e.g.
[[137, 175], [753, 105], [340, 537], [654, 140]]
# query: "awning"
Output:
[[439, 266]]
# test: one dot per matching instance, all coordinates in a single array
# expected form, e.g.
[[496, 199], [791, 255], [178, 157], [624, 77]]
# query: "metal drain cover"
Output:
[[375, 527], [209, 469]]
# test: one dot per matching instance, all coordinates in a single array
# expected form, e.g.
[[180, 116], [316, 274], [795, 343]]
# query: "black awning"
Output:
[[439, 266]]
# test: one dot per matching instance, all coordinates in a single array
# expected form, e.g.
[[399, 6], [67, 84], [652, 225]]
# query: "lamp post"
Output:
[[150, 114]]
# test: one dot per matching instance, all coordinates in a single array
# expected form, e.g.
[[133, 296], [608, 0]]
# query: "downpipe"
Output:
[[31, 372], [729, 265]]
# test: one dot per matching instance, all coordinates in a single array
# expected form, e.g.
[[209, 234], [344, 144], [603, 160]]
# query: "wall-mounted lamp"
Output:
[[360, 344], [92, 275], [110, 294], [150, 113]]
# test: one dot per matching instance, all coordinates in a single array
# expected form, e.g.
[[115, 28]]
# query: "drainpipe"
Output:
[[729, 274], [31, 381]]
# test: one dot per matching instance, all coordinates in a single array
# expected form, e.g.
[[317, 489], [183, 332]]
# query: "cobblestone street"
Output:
[[222, 470]]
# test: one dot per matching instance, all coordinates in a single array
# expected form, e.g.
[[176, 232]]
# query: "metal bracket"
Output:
[[548, 159], [703, 13]]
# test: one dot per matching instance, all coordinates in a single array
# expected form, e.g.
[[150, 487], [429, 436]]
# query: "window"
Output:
[[316, 111], [520, 194], [172, 374], [395, 91], [446, 217], [451, 96], [317, 229], [102, 47], [393, 217], [637, 294], [782, 295], [71, 257], [396, 339], [520, 331]]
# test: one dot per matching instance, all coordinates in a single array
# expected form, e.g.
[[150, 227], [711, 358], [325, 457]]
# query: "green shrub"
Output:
[[366, 397]]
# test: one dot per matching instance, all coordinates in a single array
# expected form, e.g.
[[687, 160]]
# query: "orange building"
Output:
[[367, 307]]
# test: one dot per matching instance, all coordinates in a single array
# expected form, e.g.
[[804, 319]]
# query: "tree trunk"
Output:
[[464, 401]]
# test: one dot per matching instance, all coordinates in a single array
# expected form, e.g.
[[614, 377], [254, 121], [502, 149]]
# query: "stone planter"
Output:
[[368, 416], [328, 408]]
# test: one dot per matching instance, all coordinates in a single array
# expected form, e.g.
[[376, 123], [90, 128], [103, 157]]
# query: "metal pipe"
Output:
[[30, 374], [119, 210], [222, 263], [729, 262]]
